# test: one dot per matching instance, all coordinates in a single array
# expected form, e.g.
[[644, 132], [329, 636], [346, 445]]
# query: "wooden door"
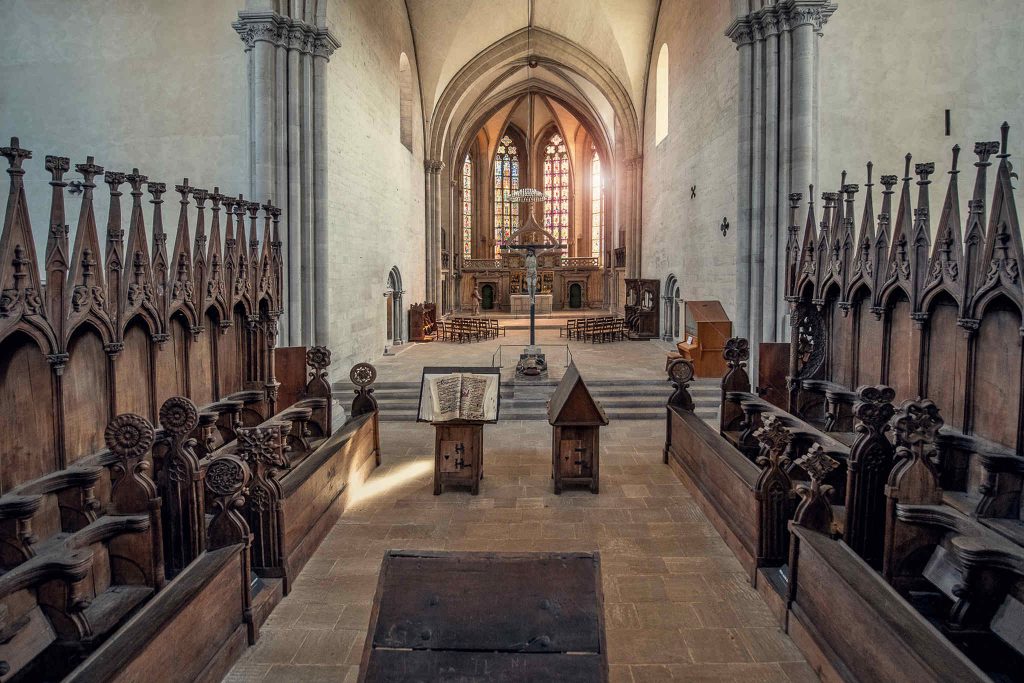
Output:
[[575, 295]]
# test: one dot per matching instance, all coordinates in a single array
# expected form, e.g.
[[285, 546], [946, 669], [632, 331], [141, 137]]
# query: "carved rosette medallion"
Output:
[[363, 374], [129, 435], [178, 415], [226, 476], [737, 351]]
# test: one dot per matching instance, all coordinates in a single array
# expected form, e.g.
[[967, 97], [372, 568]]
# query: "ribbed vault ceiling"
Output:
[[449, 33]]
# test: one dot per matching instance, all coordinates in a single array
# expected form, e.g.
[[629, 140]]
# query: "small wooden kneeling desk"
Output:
[[458, 402]]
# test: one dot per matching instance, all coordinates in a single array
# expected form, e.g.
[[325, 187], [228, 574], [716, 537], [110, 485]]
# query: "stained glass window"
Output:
[[596, 206], [506, 181], [556, 188], [467, 208]]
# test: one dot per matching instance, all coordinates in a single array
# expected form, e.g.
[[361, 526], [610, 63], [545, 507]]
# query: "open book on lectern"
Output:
[[469, 394]]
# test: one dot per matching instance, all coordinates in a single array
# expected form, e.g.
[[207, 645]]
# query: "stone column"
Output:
[[280, 195], [757, 189], [433, 168], [293, 179], [777, 148], [773, 227], [306, 186], [324, 44], [783, 189], [740, 32], [258, 30]]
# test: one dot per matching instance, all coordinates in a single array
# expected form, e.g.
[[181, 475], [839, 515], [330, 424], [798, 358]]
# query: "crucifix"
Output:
[[532, 283]]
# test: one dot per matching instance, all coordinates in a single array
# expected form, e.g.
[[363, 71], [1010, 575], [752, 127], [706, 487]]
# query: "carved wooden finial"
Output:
[[810, 195], [200, 195], [815, 511], [871, 167], [1004, 135], [956, 158], [736, 352], [906, 167], [680, 373]]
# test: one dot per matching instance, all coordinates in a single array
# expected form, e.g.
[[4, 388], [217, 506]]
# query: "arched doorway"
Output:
[[487, 295], [395, 309], [575, 295], [670, 298]]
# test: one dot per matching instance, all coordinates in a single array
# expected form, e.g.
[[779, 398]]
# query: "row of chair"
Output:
[[600, 329], [468, 329]]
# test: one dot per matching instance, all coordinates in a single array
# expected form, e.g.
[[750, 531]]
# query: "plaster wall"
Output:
[[376, 185], [681, 235], [889, 71], [156, 85]]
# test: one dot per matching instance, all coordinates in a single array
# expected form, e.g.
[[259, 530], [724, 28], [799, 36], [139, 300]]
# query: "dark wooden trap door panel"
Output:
[[487, 617]]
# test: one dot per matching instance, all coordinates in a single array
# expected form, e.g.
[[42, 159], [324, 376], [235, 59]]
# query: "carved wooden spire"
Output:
[[58, 251], [793, 248], [898, 268], [200, 266], [137, 291], [881, 244], [920, 238], [87, 293], [945, 266], [1003, 252], [823, 267], [215, 291], [230, 255], [808, 256], [161, 266], [20, 291], [242, 272], [182, 282], [863, 261], [114, 256], [975, 265]]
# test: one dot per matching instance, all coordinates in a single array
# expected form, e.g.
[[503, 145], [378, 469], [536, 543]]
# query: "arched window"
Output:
[[596, 206], [661, 97], [506, 181], [405, 101], [556, 188], [467, 208]]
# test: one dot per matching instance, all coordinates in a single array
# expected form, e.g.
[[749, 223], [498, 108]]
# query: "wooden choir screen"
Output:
[[99, 510], [901, 437], [928, 304], [120, 326]]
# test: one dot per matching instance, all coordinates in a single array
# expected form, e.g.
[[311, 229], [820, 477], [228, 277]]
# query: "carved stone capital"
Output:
[[432, 166], [324, 44], [255, 27]]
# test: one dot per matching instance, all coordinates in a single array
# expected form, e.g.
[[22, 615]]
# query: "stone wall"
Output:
[[157, 85], [376, 211], [681, 235], [890, 70]]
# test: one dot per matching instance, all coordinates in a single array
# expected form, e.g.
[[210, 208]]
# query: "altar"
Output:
[[521, 304]]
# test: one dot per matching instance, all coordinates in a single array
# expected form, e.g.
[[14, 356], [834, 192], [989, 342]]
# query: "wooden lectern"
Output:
[[458, 418], [575, 442], [707, 329]]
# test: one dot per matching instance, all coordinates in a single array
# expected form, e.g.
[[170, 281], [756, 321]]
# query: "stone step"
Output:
[[505, 415]]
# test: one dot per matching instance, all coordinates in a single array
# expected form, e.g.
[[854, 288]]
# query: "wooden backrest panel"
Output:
[[867, 337], [996, 404], [27, 426], [901, 356], [132, 372], [945, 347], [86, 394]]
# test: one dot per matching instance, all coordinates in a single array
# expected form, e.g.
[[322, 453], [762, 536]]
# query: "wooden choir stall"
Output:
[[877, 505], [458, 402], [576, 420], [165, 469]]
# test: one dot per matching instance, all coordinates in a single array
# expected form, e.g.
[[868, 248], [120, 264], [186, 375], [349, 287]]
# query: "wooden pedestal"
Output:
[[575, 453], [458, 455]]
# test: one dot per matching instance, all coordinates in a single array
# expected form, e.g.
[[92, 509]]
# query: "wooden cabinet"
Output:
[[706, 331], [575, 441], [458, 455]]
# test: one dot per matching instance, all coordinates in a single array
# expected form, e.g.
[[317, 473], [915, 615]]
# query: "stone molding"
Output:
[[279, 31], [784, 16]]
